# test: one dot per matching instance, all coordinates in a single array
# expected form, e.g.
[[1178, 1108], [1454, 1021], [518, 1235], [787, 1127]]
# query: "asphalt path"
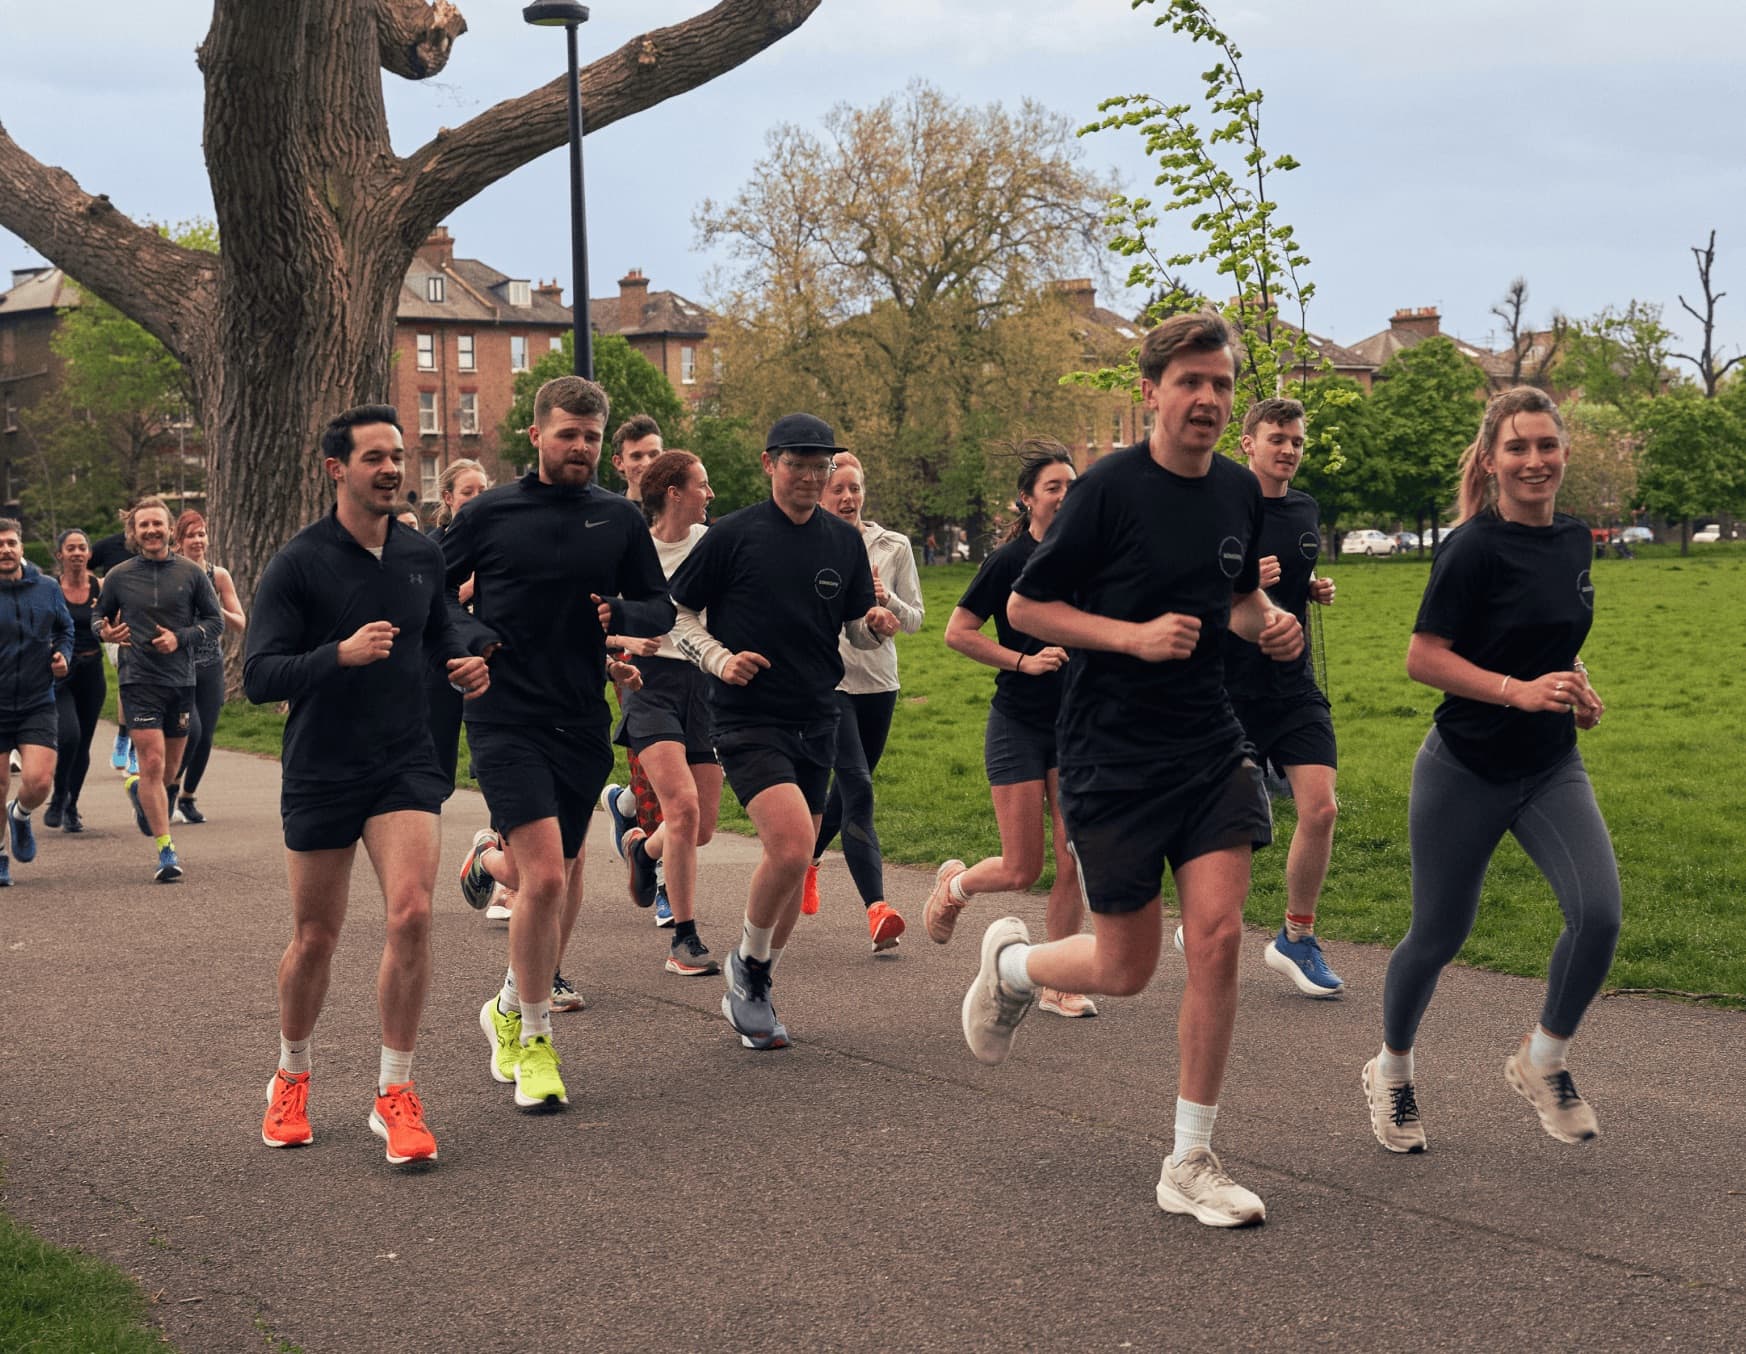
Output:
[[872, 1187]]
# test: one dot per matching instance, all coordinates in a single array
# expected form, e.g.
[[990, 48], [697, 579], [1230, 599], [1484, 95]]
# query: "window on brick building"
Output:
[[427, 352], [429, 479], [517, 353], [11, 417], [464, 352], [520, 295], [430, 419], [688, 366], [556, 344], [469, 413], [434, 288]]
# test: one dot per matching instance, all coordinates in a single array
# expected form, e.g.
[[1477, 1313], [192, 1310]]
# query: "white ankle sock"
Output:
[[293, 1054], [19, 811], [956, 888], [508, 1000], [1546, 1051], [1014, 969], [627, 804], [1395, 1066], [536, 1018], [1194, 1126], [394, 1069], [755, 940]]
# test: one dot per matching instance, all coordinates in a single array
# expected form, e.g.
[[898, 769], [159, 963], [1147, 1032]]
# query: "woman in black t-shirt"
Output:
[[1507, 607], [1019, 743], [78, 695]]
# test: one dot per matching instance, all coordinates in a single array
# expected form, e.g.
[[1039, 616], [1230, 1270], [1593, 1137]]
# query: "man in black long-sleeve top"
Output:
[[556, 563], [344, 618]]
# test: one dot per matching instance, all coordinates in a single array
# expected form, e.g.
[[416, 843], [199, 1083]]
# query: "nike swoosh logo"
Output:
[[598, 521]]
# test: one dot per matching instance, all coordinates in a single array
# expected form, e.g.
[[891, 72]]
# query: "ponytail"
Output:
[[1036, 454], [1478, 489]]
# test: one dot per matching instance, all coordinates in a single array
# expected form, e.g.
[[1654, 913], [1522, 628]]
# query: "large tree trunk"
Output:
[[318, 220]]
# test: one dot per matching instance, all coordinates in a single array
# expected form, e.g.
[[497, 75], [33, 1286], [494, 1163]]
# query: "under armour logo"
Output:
[[415, 578]]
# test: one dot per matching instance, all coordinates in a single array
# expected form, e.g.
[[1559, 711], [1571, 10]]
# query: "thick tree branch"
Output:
[[163, 286], [416, 37], [457, 165]]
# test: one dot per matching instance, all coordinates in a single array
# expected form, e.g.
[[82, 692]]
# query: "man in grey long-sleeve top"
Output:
[[157, 606]]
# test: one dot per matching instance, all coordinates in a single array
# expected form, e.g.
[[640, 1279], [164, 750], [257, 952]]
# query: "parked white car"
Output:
[[1705, 534], [1366, 543]]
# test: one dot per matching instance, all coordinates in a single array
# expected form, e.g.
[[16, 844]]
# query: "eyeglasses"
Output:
[[809, 470]]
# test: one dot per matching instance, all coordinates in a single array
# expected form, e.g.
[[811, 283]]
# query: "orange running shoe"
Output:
[[287, 1121], [398, 1120], [809, 893], [884, 925]]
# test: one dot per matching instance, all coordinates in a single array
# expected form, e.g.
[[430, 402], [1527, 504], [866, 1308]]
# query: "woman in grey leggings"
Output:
[[1507, 607]]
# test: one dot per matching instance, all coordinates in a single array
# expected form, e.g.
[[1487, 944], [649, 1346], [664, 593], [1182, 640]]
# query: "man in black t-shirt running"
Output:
[[1281, 708], [1153, 555], [780, 581]]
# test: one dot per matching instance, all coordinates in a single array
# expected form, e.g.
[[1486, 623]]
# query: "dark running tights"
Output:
[[862, 729], [78, 702], [208, 702], [1456, 820]]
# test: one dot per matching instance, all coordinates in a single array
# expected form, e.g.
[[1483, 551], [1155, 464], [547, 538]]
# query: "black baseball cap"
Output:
[[801, 432]]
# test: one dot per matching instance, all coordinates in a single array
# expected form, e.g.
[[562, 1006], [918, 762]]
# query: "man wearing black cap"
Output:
[[780, 581]]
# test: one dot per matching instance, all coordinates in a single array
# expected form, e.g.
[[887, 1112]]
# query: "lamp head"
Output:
[[554, 13]]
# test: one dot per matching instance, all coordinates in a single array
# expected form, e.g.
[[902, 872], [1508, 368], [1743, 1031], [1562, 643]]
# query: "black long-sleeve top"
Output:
[[536, 552], [348, 723], [172, 593]]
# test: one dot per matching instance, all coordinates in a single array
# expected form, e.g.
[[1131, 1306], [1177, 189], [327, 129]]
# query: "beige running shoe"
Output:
[[1197, 1185], [1394, 1112], [1073, 1005], [990, 1013], [1562, 1110], [940, 915]]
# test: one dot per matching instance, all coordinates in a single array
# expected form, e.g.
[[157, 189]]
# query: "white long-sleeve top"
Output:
[[890, 552]]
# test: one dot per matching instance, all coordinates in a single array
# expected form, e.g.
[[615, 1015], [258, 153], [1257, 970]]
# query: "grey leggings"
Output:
[[1456, 819]]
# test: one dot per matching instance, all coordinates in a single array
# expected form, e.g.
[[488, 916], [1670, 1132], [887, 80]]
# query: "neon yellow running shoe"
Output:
[[537, 1084], [504, 1032]]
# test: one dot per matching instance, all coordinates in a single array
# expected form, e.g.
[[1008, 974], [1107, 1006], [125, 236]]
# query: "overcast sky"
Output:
[[1447, 145]]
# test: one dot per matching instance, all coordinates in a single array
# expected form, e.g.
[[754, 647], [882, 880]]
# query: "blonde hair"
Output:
[[446, 482], [149, 501], [1478, 491]]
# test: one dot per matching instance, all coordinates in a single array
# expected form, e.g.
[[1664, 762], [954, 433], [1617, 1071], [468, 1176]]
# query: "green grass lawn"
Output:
[[62, 1302], [1663, 762]]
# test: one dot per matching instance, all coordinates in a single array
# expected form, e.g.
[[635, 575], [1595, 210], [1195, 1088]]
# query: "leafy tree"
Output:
[[1421, 415], [321, 216], [634, 384], [892, 279], [1338, 470], [732, 450], [1616, 356], [1600, 480], [1693, 459]]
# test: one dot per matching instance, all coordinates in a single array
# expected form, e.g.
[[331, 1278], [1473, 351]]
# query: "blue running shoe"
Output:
[[663, 908], [118, 754], [621, 822], [1302, 962], [169, 868], [131, 785], [5, 872], [747, 1004], [132, 758], [23, 834]]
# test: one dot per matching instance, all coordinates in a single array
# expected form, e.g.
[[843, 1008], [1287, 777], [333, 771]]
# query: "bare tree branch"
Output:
[[161, 285], [1705, 362], [416, 37], [456, 165]]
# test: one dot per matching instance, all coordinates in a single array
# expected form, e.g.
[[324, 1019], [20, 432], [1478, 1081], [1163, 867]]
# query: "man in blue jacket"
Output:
[[36, 644]]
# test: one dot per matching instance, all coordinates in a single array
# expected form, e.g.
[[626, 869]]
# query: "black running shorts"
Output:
[[30, 728], [670, 708], [149, 706], [1013, 752], [530, 774], [1294, 732], [1123, 839], [330, 815], [754, 759]]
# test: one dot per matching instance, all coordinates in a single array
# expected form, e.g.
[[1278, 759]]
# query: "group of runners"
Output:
[[1149, 637], [150, 595]]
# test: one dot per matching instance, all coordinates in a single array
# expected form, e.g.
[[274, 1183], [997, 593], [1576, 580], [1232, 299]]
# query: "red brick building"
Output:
[[29, 370], [664, 327]]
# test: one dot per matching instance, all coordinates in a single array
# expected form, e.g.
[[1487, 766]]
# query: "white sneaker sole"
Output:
[[1173, 1200], [491, 1038], [1281, 963], [544, 1102], [380, 1129]]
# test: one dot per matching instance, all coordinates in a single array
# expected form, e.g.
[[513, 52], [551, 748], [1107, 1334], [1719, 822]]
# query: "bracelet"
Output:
[[1503, 689], [1019, 665]]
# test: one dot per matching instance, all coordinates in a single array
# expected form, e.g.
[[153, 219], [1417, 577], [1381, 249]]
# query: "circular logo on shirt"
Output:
[[1230, 557], [827, 583], [1585, 589], [1309, 545]]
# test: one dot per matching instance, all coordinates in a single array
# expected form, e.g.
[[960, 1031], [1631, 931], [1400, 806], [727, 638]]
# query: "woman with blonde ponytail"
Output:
[[1505, 612]]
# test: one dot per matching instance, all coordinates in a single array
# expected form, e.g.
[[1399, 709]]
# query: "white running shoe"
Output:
[[1197, 1185]]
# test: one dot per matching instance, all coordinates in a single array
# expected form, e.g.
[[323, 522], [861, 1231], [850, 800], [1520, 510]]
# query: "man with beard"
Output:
[[36, 647]]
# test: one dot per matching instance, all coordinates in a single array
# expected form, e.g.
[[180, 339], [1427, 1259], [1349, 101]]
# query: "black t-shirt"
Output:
[[536, 552], [1132, 541], [84, 636], [1290, 530], [1515, 599], [782, 589], [1028, 699], [108, 552]]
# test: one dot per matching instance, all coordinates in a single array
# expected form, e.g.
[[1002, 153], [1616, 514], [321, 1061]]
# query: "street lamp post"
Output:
[[569, 16]]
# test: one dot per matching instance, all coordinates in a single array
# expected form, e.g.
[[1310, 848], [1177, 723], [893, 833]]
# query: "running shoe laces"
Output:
[[290, 1103], [1564, 1088], [757, 978], [1406, 1106]]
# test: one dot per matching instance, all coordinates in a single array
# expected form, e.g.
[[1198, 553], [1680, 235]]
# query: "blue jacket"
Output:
[[34, 624]]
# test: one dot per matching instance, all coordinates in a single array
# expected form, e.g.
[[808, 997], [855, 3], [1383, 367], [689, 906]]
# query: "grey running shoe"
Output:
[[689, 957], [476, 882], [1394, 1112], [940, 916], [1198, 1186], [990, 1013], [564, 996], [1562, 1110], [747, 1004]]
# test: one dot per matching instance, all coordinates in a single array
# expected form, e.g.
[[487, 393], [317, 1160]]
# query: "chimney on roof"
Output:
[[438, 249], [552, 290], [633, 291], [1080, 294], [1422, 322]]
